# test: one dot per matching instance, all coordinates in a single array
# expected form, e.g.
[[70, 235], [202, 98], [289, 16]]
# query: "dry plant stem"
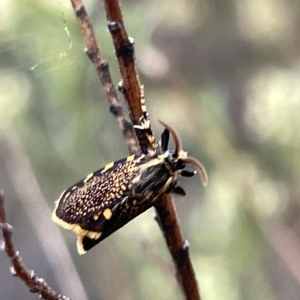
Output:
[[165, 209], [36, 284], [124, 49], [102, 69], [33, 202], [178, 247], [285, 242], [130, 87], [125, 54], [152, 252]]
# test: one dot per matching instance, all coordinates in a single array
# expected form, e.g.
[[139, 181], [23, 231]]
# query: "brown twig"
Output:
[[155, 256], [131, 89], [178, 247], [102, 69], [124, 49], [34, 203], [165, 209], [35, 284]]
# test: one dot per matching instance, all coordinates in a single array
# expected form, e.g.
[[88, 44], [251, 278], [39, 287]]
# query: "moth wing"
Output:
[[87, 206]]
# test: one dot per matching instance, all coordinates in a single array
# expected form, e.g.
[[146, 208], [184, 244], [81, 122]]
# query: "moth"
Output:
[[107, 199]]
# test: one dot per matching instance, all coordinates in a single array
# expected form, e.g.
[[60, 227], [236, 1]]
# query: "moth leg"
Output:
[[164, 140], [179, 191], [187, 173]]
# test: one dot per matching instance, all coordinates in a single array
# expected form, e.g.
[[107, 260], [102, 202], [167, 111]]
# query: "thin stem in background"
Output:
[[102, 69], [34, 204], [35, 284]]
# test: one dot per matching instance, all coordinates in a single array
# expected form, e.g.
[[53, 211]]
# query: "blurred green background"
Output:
[[226, 76]]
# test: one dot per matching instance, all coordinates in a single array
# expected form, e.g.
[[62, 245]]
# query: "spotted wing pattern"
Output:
[[87, 206]]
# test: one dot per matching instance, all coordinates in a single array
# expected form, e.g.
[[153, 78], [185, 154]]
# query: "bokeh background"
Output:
[[226, 76]]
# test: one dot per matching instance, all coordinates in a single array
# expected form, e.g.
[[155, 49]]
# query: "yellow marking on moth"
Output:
[[60, 196], [67, 195], [151, 138], [75, 227], [80, 248], [88, 177], [142, 98], [143, 167], [80, 232], [130, 158], [118, 196], [108, 166], [146, 124], [123, 187], [167, 184], [107, 213], [96, 217], [74, 188]]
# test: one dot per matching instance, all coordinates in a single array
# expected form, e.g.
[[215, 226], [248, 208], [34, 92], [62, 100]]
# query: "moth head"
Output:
[[179, 157]]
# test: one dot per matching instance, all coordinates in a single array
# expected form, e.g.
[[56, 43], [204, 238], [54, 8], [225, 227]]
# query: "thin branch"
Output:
[[285, 242], [124, 49], [34, 203], [35, 284], [155, 256], [165, 209], [132, 91], [178, 247], [102, 69]]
